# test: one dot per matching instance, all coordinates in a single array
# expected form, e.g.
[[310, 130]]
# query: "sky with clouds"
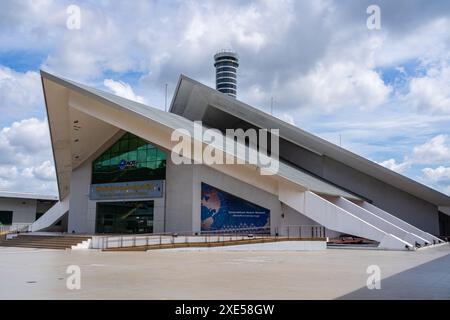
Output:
[[385, 94]]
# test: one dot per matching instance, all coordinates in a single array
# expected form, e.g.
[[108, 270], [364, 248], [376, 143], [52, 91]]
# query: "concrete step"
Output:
[[43, 242], [23, 236], [36, 246], [69, 243]]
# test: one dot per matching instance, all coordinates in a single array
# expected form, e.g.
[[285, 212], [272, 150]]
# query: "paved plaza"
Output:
[[221, 274]]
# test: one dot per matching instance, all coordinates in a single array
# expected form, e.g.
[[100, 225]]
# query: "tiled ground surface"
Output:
[[329, 274]]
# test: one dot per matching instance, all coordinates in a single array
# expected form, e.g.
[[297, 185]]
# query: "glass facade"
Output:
[[129, 159], [126, 217]]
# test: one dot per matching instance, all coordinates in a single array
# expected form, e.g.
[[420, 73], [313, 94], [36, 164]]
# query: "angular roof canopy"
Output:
[[192, 98], [77, 129], [26, 195]]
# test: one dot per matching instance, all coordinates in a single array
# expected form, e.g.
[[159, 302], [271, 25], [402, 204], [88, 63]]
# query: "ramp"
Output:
[[400, 223], [339, 219], [378, 221], [51, 216]]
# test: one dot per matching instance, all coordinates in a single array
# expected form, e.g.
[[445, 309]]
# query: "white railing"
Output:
[[301, 231], [218, 237], [15, 227]]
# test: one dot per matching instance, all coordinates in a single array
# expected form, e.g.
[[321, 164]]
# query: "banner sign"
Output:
[[221, 211], [126, 190]]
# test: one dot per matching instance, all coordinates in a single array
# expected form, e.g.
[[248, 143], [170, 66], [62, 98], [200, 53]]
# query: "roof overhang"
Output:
[[192, 99], [82, 119], [26, 195]]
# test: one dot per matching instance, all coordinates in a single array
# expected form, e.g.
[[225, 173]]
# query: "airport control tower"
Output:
[[226, 64]]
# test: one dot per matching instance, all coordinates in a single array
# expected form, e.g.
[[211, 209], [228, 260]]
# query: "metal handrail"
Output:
[[221, 236], [15, 227]]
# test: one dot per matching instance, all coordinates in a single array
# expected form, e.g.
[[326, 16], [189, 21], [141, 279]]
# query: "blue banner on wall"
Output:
[[223, 211]]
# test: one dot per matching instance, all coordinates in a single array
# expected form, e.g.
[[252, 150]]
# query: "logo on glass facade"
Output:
[[126, 164]]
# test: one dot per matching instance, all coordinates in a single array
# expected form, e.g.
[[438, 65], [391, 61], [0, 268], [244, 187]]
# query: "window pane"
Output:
[[151, 154], [132, 156], [133, 144], [124, 146], [142, 156], [115, 148], [161, 155]]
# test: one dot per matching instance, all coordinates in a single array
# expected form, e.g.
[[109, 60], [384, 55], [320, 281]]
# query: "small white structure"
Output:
[[19, 210]]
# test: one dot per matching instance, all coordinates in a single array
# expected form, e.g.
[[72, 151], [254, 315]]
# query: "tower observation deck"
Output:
[[226, 64]]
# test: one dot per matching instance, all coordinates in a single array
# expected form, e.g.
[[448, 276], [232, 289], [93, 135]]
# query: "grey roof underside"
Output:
[[26, 195], [174, 121], [191, 99]]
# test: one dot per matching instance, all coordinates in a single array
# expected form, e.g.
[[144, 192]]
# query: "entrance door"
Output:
[[6, 217], [444, 224], [125, 217]]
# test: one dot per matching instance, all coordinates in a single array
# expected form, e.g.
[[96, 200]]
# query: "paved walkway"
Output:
[[177, 274]]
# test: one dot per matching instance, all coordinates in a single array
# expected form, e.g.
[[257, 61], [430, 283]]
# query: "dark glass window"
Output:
[[225, 63], [6, 217], [226, 74], [226, 69], [228, 91], [226, 58], [226, 86], [129, 159], [38, 215], [125, 217], [221, 80]]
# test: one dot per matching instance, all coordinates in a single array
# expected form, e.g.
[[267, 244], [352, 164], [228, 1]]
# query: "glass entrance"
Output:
[[125, 217]]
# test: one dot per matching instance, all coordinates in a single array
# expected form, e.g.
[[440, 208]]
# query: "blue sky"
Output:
[[385, 92]]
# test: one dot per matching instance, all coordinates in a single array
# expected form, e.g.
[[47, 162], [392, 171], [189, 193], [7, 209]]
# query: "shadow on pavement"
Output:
[[430, 280]]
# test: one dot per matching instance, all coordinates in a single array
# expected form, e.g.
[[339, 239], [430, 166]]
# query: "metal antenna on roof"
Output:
[[340, 140], [165, 100], [271, 106]]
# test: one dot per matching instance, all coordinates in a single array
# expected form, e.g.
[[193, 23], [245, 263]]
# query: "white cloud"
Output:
[[394, 166], [434, 151], [44, 171], [26, 158], [8, 172], [432, 91], [122, 89], [438, 178], [341, 84], [428, 40], [438, 174], [20, 93]]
